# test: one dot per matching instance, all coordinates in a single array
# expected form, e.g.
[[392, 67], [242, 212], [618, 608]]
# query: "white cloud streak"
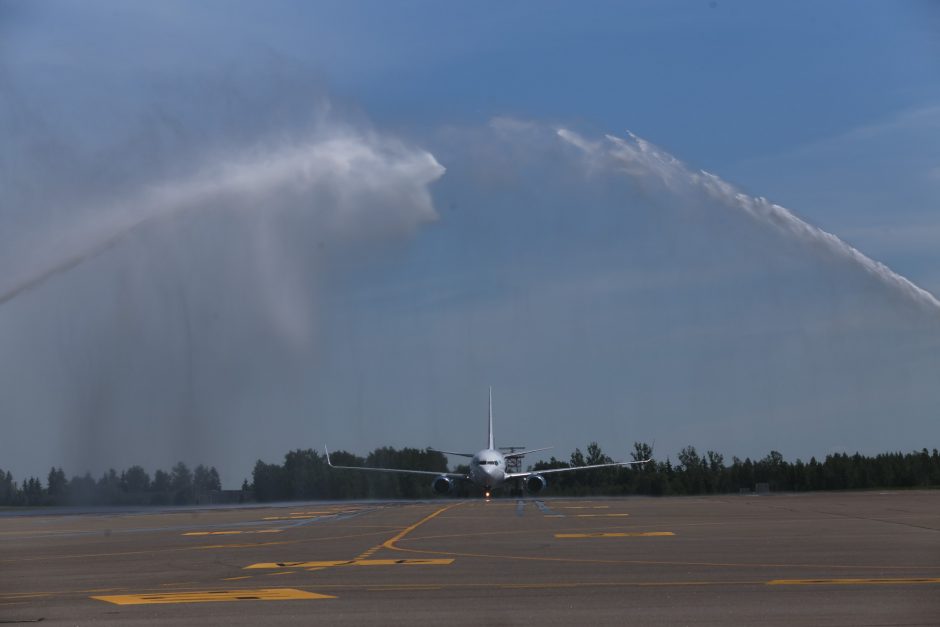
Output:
[[649, 164]]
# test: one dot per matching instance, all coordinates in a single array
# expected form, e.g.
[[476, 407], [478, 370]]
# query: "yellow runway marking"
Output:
[[237, 578], [390, 543], [208, 596], [852, 582], [616, 534], [600, 515], [230, 533], [406, 562], [355, 562]]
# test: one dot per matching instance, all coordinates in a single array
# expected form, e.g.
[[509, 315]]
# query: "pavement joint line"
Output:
[[380, 588], [879, 581], [616, 534], [230, 532], [574, 560], [176, 549], [338, 587], [549, 585]]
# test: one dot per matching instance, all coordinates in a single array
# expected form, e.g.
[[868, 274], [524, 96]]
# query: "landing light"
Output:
[[486, 494]]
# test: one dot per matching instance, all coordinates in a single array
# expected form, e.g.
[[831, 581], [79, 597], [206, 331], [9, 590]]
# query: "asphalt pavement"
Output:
[[864, 558]]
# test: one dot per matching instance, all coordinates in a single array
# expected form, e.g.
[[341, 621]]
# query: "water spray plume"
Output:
[[359, 185], [651, 165]]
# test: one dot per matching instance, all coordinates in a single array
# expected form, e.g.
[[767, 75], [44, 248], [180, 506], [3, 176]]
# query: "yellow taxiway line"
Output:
[[355, 562], [209, 596]]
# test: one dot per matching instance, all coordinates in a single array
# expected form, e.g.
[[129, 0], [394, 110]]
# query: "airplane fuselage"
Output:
[[488, 468]]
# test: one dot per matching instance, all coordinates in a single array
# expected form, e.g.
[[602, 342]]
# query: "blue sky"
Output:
[[601, 308]]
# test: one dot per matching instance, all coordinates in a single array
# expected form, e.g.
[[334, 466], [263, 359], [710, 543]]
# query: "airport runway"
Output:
[[829, 559]]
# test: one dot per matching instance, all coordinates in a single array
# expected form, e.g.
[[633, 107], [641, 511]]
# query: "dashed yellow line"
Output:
[[368, 552], [616, 534], [208, 596]]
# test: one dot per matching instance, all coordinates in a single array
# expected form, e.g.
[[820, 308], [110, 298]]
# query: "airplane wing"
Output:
[[452, 475], [523, 475], [451, 453], [531, 450]]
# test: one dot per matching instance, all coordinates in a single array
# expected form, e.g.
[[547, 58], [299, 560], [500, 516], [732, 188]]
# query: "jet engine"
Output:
[[442, 485], [535, 483]]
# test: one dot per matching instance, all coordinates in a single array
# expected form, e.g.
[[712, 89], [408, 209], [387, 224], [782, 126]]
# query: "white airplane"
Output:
[[487, 468]]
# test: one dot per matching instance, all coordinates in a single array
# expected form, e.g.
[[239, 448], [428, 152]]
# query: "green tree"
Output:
[[181, 483], [135, 479], [57, 485], [7, 488], [690, 472], [206, 479]]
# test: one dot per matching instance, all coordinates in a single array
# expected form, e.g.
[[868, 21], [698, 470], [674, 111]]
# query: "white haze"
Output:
[[149, 315], [355, 185]]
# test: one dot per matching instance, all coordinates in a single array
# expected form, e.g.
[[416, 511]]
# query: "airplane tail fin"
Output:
[[490, 442]]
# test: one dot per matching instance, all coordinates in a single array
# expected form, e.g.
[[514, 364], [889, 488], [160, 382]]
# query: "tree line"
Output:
[[305, 475], [134, 486], [693, 473]]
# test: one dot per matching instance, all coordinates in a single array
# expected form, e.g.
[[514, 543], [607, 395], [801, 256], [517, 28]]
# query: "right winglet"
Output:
[[327, 451]]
